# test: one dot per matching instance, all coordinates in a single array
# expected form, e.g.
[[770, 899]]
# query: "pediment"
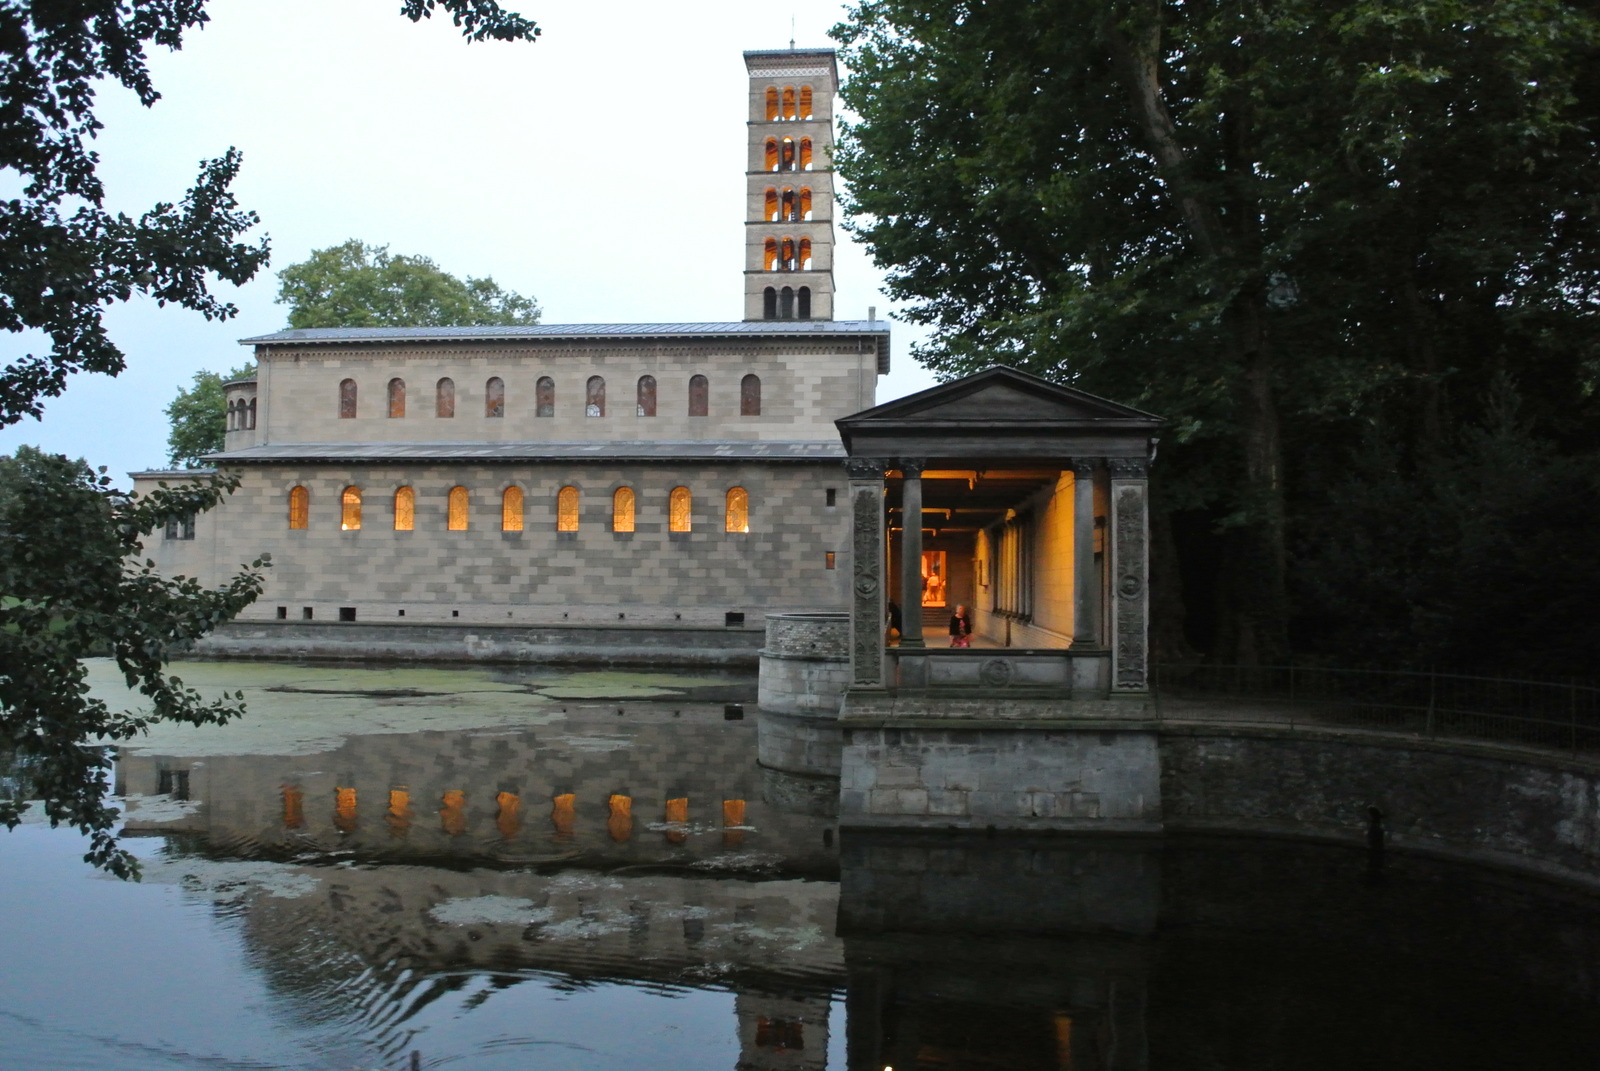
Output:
[[998, 396]]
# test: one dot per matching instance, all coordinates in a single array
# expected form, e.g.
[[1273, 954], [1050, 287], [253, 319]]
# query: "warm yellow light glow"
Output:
[[299, 508], [737, 515], [567, 510], [511, 510], [620, 824], [622, 510], [350, 510], [508, 818], [399, 816], [344, 809], [561, 814], [294, 816], [405, 509], [679, 508], [453, 813], [457, 521]]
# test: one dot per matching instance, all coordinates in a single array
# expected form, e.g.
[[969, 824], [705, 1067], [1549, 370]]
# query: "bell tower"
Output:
[[788, 262]]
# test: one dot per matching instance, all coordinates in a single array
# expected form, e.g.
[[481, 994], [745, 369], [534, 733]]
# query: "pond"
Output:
[[399, 868]]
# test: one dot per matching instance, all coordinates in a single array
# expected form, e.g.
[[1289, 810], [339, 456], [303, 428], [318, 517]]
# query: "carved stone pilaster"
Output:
[[1130, 583], [866, 588]]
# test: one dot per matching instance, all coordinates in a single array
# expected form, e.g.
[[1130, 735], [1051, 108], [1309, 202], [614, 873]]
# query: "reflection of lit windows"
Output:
[[779, 1033], [399, 816], [294, 800], [405, 509], [457, 521], [620, 824], [453, 812], [567, 510], [344, 809], [511, 509], [508, 814], [678, 510], [350, 510], [737, 515], [677, 816], [562, 814], [622, 510]]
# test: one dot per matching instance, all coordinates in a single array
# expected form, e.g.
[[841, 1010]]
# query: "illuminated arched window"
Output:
[[405, 509], [647, 396], [544, 397], [805, 154], [567, 510], [804, 303], [444, 398], [805, 102], [737, 516], [786, 154], [347, 399], [788, 102], [769, 261], [769, 304], [770, 204], [805, 203], [299, 508], [699, 396], [622, 510], [786, 255], [787, 206], [511, 509], [397, 397], [457, 519], [772, 103], [803, 255], [772, 154], [679, 505], [350, 510], [494, 397], [750, 396], [594, 399]]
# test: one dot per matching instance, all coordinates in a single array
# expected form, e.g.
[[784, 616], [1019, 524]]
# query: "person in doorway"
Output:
[[961, 627], [896, 623]]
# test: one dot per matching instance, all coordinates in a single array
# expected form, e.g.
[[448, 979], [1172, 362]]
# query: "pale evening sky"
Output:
[[599, 170]]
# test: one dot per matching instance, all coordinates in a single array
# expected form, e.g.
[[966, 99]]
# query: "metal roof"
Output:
[[703, 450], [327, 335]]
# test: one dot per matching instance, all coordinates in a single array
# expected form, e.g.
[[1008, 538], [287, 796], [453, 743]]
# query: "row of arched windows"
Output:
[[786, 304], [241, 415], [494, 396], [788, 205], [788, 104], [624, 508], [787, 254], [785, 154]]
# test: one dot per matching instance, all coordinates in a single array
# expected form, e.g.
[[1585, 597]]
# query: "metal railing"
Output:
[[1550, 715]]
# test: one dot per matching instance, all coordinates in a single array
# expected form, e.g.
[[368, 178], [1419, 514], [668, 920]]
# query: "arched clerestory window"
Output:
[[750, 395], [456, 519], [494, 397], [544, 397], [347, 399], [299, 508], [405, 509], [646, 396], [622, 509], [594, 398], [699, 396], [680, 510], [350, 510], [397, 398], [769, 303], [567, 509], [444, 398], [736, 515], [511, 509]]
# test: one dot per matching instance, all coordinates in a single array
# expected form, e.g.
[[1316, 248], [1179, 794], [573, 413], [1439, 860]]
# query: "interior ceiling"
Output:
[[966, 500]]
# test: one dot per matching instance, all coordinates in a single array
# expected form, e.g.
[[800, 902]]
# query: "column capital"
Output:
[[1084, 467], [1129, 468], [865, 468], [911, 466]]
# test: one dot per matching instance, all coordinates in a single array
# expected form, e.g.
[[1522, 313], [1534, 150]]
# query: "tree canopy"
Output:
[[69, 583], [199, 417], [1302, 231], [357, 285]]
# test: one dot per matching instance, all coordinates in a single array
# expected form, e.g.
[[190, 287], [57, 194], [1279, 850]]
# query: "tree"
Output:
[[357, 285], [199, 416], [67, 589], [66, 540], [1293, 228]]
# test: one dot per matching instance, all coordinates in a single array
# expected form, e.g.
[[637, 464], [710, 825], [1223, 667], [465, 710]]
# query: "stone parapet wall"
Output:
[[805, 664]]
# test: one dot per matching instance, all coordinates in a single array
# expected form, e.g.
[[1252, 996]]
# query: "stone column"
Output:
[[911, 552], [1130, 573], [1085, 578], [867, 579]]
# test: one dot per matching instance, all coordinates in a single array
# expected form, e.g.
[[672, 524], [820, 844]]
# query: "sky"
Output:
[[599, 170]]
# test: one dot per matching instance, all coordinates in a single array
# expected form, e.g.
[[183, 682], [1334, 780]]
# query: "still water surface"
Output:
[[420, 868]]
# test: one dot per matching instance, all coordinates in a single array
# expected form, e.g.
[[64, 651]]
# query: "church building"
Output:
[[621, 474]]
